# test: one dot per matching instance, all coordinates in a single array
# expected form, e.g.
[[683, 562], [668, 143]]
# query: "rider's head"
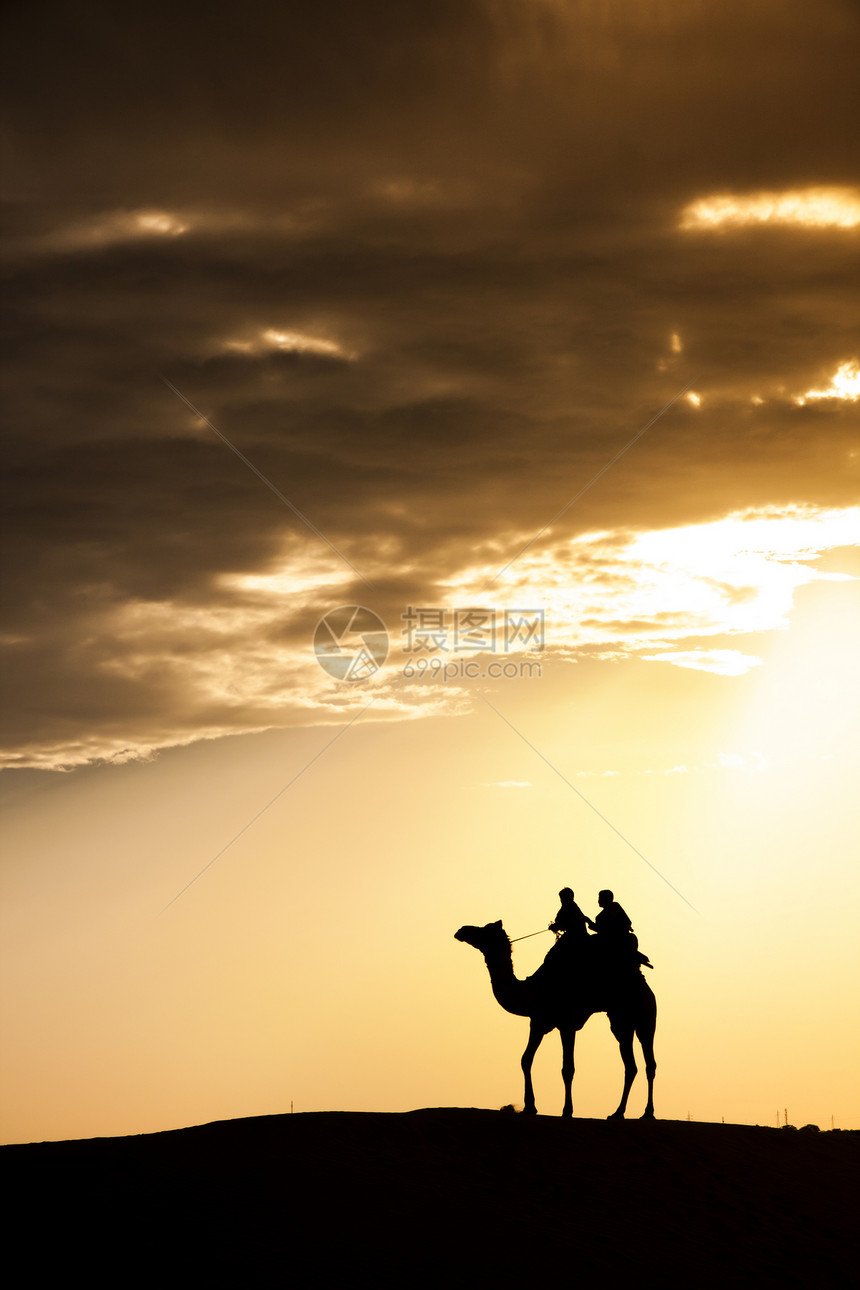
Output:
[[565, 895], [605, 898]]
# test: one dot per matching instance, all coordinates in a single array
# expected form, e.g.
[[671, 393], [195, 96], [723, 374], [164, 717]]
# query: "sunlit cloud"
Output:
[[123, 226], [312, 577], [299, 344], [240, 664], [243, 661], [158, 224], [613, 594], [151, 224], [844, 385], [271, 339], [723, 662], [676, 347], [749, 761], [836, 207]]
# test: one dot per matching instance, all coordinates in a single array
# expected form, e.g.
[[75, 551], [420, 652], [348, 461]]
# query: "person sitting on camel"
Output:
[[615, 930], [570, 917]]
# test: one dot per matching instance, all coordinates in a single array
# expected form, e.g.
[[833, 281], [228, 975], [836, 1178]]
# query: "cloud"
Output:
[[804, 208], [722, 662], [120, 226], [269, 340], [235, 655], [735, 575], [420, 265], [844, 385]]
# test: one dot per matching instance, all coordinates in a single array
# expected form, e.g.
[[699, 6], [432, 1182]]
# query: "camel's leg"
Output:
[[646, 1039], [623, 1032], [536, 1034], [568, 1035]]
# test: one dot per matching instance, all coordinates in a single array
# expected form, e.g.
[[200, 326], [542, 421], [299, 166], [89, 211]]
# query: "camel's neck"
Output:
[[510, 992]]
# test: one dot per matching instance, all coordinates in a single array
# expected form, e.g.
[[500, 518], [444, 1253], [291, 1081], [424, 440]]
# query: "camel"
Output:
[[562, 994]]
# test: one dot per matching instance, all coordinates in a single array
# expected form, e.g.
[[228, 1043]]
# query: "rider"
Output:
[[615, 929], [612, 920], [570, 917]]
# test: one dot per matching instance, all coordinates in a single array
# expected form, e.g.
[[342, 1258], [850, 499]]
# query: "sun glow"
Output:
[[801, 207]]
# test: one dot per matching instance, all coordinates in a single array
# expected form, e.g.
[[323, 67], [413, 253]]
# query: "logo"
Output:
[[351, 643]]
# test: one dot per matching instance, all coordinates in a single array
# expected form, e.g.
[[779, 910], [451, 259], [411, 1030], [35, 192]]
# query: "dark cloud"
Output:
[[476, 206]]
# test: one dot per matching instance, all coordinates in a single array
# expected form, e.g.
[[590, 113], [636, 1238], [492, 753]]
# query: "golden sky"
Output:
[[544, 309]]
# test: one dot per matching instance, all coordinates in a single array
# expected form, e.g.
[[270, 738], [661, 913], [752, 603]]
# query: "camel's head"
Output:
[[486, 939]]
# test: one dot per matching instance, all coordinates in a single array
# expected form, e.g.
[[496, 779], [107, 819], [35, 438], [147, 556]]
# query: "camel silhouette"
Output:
[[571, 984]]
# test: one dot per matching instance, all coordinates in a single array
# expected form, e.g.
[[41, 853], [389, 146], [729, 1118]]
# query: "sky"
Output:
[[431, 479]]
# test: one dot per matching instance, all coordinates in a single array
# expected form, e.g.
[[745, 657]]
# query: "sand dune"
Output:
[[444, 1197]]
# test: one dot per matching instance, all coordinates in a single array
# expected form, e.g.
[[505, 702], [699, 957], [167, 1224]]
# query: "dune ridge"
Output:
[[447, 1196]]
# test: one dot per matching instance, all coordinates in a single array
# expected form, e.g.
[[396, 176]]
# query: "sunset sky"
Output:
[[344, 304]]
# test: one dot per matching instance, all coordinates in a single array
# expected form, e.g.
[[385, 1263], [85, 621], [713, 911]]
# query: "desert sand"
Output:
[[446, 1197]]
